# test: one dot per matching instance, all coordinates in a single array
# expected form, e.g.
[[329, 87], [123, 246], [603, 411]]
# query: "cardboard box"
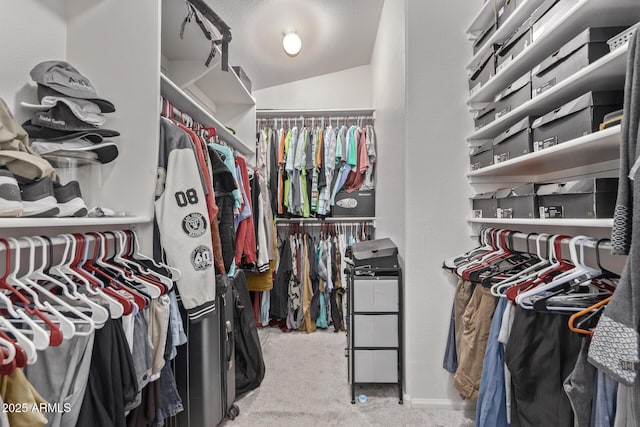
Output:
[[484, 37], [586, 48], [355, 204], [516, 94], [513, 142], [485, 116], [482, 71], [507, 10], [576, 118], [587, 198], [513, 46], [485, 205], [517, 202], [481, 156]]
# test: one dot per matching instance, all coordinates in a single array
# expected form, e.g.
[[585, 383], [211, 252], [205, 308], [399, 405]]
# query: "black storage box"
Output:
[[246, 81], [506, 11], [586, 198], [481, 156], [485, 116], [574, 119], [513, 96], [484, 37], [518, 202], [485, 205], [513, 46], [513, 142], [483, 70], [356, 203], [380, 253], [586, 48]]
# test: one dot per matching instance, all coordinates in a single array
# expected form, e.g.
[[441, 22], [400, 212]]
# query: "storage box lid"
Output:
[[484, 196], [477, 68], [590, 35], [484, 111], [521, 126], [582, 186], [522, 31], [477, 149], [589, 99], [371, 249], [514, 87], [491, 28], [520, 191]]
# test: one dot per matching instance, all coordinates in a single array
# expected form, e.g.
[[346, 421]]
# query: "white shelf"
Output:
[[602, 146], [186, 59], [586, 13], [517, 18], [564, 222], [10, 223], [606, 73], [484, 17], [185, 103]]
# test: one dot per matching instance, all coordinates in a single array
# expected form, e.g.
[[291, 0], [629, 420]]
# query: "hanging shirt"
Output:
[[227, 157], [370, 138], [357, 175]]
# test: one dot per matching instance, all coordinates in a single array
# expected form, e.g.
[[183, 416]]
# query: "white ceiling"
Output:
[[336, 35]]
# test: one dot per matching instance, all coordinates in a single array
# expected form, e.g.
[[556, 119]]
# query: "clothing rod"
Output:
[[589, 244], [309, 113], [55, 241], [322, 221]]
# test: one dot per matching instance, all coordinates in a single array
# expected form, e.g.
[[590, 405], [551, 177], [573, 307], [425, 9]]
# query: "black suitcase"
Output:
[[381, 253], [205, 367]]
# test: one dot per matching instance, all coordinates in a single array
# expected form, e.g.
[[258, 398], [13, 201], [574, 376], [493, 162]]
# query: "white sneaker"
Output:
[[10, 200]]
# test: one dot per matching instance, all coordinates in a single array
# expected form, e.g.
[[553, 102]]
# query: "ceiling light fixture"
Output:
[[291, 43]]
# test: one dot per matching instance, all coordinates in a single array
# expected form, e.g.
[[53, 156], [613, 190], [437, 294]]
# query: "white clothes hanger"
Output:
[[25, 343], [65, 325], [81, 319]]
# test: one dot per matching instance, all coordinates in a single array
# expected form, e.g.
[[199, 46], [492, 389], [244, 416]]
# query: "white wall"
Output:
[[436, 187], [22, 53], [388, 89], [349, 88]]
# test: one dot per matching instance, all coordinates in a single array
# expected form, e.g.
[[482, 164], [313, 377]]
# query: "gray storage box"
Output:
[[517, 202], [379, 293], [513, 142], [484, 37], [379, 253], [586, 48], [485, 205], [375, 366], [375, 330], [483, 70], [485, 116], [355, 204], [507, 10], [574, 119], [481, 156], [246, 81], [513, 46], [516, 94], [586, 198]]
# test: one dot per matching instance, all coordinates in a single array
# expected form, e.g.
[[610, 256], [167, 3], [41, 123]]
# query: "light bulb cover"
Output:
[[292, 44]]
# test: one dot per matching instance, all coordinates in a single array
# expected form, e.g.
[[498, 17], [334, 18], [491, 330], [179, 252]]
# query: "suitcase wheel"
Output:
[[233, 412]]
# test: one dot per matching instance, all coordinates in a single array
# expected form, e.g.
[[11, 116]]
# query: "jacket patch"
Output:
[[194, 224], [201, 258]]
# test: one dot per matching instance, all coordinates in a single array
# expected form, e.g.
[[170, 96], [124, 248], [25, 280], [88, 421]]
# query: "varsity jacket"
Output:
[[183, 220]]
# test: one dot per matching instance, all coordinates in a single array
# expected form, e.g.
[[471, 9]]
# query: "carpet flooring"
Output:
[[306, 385]]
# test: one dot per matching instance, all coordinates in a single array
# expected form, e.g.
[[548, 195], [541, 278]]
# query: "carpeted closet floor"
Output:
[[306, 385]]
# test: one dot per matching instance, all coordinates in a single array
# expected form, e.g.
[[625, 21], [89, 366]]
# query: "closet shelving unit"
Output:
[[583, 14], [210, 95], [485, 16], [594, 155], [121, 65]]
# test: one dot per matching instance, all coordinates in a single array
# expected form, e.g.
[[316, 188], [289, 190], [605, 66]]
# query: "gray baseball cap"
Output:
[[59, 78]]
